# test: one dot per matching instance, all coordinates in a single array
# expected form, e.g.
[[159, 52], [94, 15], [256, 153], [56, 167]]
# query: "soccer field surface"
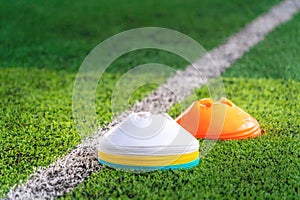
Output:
[[39, 60], [265, 167]]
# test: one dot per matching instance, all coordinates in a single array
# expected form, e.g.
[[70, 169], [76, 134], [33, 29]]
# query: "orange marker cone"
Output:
[[222, 120]]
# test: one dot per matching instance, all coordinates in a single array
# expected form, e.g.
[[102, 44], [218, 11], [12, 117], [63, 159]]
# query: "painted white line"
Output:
[[66, 173]]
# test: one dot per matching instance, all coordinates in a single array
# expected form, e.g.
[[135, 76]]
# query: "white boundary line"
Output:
[[67, 172]]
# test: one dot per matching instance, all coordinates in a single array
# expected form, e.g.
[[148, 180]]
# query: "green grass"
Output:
[[59, 34], [42, 44], [264, 83], [276, 58], [35, 121], [266, 167]]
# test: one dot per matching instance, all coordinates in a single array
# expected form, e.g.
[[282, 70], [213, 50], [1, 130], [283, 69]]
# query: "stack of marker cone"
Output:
[[222, 120], [146, 141]]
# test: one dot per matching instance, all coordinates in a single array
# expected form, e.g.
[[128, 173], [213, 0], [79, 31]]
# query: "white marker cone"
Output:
[[146, 141]]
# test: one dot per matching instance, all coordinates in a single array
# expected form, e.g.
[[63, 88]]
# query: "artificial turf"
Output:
[[42, 46], [265, 83], [266, 167], [57, 34]]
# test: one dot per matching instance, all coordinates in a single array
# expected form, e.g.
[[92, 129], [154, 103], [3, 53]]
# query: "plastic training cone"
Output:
[[230, 121], [146, 141]]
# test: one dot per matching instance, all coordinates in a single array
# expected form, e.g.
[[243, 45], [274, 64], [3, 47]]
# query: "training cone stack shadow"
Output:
[[146, 141], [230, 121]]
